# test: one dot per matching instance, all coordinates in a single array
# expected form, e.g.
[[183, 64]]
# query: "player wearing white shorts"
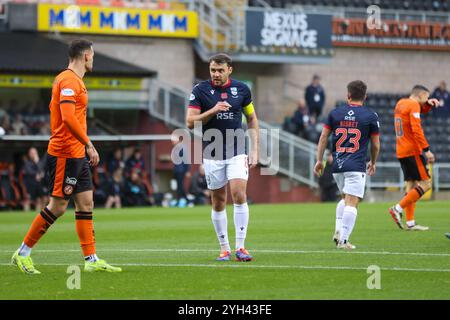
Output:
[[218, 104], [352, 127]]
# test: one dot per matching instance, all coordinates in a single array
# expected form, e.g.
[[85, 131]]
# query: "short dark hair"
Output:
[[418, 88], [221, 58], [357, 90], [77, 47]]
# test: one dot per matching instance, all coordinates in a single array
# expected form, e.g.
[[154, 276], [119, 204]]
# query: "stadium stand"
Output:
[[420, 5], [437, 129], [14, 195]]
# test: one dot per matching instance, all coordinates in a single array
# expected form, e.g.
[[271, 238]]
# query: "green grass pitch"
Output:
[[170, 254]]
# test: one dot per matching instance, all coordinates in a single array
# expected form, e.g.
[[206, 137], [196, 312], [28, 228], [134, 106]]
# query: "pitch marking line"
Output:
[[250, 266], [260, 251]]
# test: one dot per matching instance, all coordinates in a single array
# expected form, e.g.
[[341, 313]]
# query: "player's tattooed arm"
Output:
[[374, 152], [194, 114], [323, 141], [94, 157], [253, 126]]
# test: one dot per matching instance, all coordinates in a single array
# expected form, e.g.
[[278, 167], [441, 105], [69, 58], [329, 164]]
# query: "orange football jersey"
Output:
[[408, 129], [68, 109]]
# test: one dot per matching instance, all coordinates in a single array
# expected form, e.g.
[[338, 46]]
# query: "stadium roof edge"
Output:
[[24, 52], [239, 56]]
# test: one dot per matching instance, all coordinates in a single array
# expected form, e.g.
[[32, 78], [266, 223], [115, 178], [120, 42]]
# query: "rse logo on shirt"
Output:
[[205, 96]]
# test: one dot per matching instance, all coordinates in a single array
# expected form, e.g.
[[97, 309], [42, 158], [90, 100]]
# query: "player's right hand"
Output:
[[434, 102], [371, 168], [318, 168], [94, 158], [430, 157], [221, 106]]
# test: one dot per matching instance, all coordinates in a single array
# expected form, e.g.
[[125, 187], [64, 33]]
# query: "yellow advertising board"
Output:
[[95, 83], [117, 21]]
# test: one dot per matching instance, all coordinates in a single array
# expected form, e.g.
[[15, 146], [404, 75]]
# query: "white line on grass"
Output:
[[251, 266], [259, 251]]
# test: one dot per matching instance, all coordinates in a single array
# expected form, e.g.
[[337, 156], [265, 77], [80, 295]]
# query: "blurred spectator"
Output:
[[44, 128], [315, 97], [301, 117], [135, 193], [198, 187], [135, 161], [302, 124], [179, 173], [310, 131], [18, 126], [289, 126], [116, 161], [101, 182], [10, 193], [443, 96], [115, 189], [33, 175], [6, 123], [328, 187]]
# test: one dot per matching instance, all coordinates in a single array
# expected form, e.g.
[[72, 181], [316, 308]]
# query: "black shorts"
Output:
[[68, 176], [414, 168]]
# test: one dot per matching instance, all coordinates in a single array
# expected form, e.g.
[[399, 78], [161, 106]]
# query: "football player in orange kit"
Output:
[[411, 143], [67, 165]]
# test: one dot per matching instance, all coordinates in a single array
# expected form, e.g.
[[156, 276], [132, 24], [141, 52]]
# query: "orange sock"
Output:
[[39, 227], [411, 197], [410, 212], [85, 230]]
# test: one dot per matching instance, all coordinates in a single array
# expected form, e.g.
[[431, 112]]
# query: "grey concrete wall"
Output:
[[173, 59], [384, 70]]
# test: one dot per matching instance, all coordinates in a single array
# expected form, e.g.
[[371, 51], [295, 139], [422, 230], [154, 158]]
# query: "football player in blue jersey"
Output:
[[352, 127], [218, 105]]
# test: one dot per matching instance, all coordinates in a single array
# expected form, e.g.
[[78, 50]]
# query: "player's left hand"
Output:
[[371, 168], [433, 102], [318, 168]]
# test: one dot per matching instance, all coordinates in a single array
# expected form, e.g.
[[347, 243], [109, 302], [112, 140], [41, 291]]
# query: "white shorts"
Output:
[[218, 172], [351, 183]]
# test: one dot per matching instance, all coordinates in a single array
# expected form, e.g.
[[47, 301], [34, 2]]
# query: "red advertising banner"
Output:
[[392, 34]]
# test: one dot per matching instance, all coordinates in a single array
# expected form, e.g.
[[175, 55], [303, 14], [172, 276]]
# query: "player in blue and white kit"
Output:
[[219, 104], [352, 127]]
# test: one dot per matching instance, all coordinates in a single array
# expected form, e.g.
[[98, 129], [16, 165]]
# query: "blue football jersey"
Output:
[[351, 126], [205, 96]]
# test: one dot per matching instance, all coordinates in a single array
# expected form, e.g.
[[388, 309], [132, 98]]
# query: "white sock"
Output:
[[241, 216], [91, 258], [220, 222], [24, 250], [339, 213], [411, 223], [348, 222], [398, 208]]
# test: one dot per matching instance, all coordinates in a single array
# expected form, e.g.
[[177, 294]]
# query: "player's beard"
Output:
[[219, 81]]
